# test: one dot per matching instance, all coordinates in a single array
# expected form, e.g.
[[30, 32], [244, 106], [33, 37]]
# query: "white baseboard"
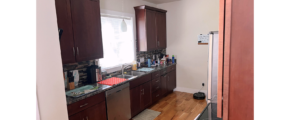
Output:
[[189, 90]]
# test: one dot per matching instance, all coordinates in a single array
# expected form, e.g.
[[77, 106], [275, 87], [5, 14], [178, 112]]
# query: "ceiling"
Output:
[[160, 1]]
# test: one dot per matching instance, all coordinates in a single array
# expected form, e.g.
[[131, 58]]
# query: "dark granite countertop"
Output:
[[209, 113], [103, 88]]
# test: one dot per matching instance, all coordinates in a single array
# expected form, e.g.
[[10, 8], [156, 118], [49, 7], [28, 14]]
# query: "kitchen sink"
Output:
[[126, 76], [135, 73]]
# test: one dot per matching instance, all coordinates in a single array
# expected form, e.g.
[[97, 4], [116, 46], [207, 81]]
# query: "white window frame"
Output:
[[132, 16]]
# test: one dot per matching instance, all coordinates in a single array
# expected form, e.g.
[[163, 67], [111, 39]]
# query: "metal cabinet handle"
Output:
[[158, 43], [74, 51], [143, 91], [84, 105], [78, 51]]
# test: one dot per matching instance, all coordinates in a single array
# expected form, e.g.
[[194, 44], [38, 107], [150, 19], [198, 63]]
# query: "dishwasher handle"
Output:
[[117, 89]]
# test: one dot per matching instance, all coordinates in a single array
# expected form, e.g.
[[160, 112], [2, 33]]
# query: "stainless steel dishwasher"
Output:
[[118, 103]]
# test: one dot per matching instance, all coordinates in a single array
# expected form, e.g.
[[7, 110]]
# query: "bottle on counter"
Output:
[[149, 63], [134, 65], [173, 59]]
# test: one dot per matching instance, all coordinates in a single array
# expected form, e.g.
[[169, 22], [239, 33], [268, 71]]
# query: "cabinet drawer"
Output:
[[171, 68], [85, 103], [156, 95], [140, 81], [155, 81], [163, 71], [156, 74], [156, 87]]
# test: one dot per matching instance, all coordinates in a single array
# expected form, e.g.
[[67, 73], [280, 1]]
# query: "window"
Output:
[[118, 46]]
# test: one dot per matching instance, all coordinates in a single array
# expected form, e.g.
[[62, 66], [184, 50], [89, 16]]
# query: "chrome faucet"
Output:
[[123, 67]]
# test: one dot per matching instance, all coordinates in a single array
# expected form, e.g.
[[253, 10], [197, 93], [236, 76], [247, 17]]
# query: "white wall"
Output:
[[187, 19], [49, 77], [116, 5]]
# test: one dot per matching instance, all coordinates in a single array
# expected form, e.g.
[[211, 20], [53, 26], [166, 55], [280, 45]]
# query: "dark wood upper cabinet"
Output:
[[64, 22], [161, 29], [87, 29], [151, 28], [81, 24]]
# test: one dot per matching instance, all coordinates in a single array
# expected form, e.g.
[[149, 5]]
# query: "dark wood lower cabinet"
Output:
[[145, 95], [140, 98], [96, 112], [171, 85], [164, 80], [135, 95], [77, 116]]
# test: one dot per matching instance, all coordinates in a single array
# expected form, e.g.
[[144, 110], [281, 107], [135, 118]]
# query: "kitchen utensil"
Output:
[[91, 72], [70, 77]]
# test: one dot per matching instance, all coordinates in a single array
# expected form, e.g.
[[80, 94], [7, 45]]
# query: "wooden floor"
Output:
[[178, 106]]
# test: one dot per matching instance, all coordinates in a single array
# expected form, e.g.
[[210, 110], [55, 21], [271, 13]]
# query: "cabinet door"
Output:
[[64, 22], [171, 81], [174, 79], [164, 84], [151, 30], [86, 22], [161, 29], [96, 112], [168, 83], [145, 95], [75, 117], [135, 101]]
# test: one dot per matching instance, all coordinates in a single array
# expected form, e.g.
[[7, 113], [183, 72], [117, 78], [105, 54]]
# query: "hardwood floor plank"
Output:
[[177, 115], [178, 106]]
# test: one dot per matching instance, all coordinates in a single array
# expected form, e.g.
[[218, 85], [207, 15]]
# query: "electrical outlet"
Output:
[[141, 59], [202, 84]]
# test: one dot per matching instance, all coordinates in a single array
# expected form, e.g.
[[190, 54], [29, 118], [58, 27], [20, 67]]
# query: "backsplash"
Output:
[[82, 66], [150, 53]]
